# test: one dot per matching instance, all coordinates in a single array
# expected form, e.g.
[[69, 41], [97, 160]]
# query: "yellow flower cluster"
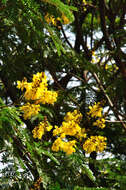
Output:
[[100, 123], [22, 85], [60, 145], [84, 1], [65, 19], [37, 89], [37, 92], [30, 110], [40, 130], [96, 112], [70, 127], [95, 143], [37, 184], [51, 19]]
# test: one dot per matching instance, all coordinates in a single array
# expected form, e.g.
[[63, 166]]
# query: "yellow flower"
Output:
[[70, 126], [34, 89], [100, 123], [57, 130], [65, 19], [22, 85], [63, 135], [95, 110], [30, 110], [47, 97], [95, 143], [60, 145], [75, 116], [84, 1], [37, 90], [39, 79], [47, 18], [48, 128], [115, 67], [50, 19], [68, 147], [82, 134], [106, 67], [40, 130], [93, 53], [56, 145]]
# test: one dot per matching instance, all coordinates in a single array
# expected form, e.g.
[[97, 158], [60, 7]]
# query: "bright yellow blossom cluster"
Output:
[[60, 145], [70, 127], [40, 130], [37, 92], [95, 143], [30, 110], [37, 89], [51, 19], [100, 123], [96, 112]]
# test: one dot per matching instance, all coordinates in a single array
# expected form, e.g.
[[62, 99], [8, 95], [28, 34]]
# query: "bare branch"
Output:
[[66, 37]]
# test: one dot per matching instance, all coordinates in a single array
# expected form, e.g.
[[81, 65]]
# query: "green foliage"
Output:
[[57, 42], [4, 1], [28, 44], [113, 171], [63, 8], [88, 188]]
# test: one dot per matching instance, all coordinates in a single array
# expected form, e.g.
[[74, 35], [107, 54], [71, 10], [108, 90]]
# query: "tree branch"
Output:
[[103, 24], [66, 37], [109, 100]]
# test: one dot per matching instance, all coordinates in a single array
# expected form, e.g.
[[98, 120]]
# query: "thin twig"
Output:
[[115, 111], [103, 90], [66, 37], [3, 151], [109, 121], [72, 99]]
